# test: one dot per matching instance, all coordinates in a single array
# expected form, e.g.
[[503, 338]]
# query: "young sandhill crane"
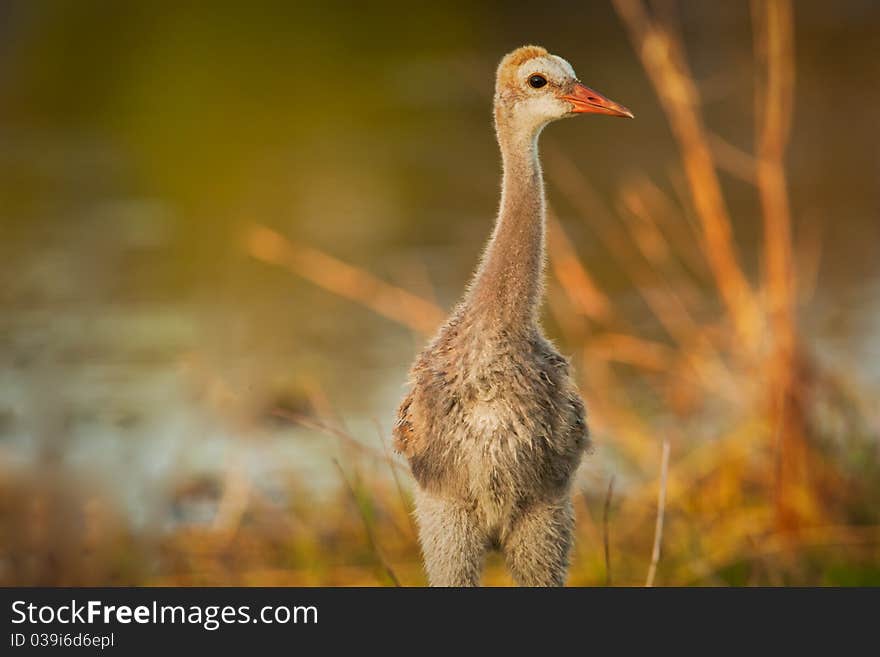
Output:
[[493, 427]]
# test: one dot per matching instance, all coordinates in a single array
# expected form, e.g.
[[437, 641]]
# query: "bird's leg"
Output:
[[453, 544], [538, 544]]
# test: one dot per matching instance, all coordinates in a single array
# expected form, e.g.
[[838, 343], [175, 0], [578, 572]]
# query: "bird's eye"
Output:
[[537, 81]]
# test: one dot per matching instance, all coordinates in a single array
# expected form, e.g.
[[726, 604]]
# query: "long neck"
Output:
[[508, 284]]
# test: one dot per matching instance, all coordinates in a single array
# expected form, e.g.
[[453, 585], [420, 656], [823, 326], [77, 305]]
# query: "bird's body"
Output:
[[508, 423], [493, 427]]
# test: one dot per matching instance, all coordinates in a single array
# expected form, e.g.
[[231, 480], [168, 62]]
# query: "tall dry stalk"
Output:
[[661, 514], [774, 99]]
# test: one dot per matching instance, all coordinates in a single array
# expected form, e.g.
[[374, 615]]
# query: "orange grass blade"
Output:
[[575, 280], [343, 279]]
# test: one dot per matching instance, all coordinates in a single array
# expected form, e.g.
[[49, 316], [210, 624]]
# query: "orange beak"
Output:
[[586, 101]]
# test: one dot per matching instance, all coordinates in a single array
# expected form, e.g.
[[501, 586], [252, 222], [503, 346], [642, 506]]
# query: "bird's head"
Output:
[[533, 88]]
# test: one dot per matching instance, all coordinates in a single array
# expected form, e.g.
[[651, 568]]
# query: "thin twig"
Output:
[[605, 531], [367, 526], [661, 510]]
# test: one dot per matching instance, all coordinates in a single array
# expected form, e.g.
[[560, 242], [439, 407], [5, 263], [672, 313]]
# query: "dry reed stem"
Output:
[[727, 453], [374, 545], [663, 60], [605, 531], [661, 511], [775, 53], [625, 348], [343, 279]]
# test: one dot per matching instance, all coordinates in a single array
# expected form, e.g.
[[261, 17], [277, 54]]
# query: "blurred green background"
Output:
[[145, 354]]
